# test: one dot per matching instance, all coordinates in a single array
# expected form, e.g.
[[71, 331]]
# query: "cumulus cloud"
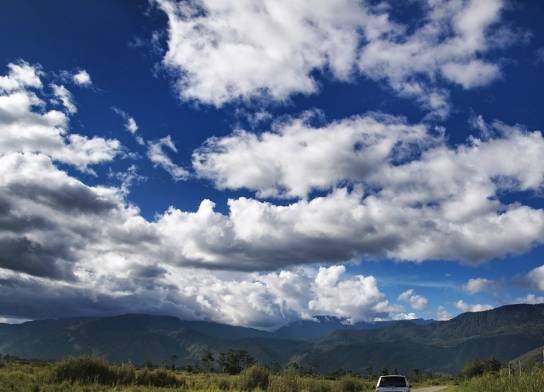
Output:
[[220, 55], [20, 76], [449, 43], [28, 124], [478, 285], [159, 157], [346, 150], [416, 301], [536, 278], [530, 299], [464, 307], [353, 298], [243, 49], [82, 78], [259, 300], [442, 314], [406, 180]]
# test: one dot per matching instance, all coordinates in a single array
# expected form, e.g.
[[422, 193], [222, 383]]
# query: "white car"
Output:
[[393, 383]]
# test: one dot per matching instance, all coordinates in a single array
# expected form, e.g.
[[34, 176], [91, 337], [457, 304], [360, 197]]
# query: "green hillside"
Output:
[[504, 333]]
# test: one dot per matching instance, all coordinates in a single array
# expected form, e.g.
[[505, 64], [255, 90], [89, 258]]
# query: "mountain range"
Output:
[[325, 344]]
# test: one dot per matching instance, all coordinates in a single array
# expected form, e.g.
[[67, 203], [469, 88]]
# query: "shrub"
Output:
[[479, 367], [234, 361], [349, 384], [158, 378], [254, 377], [287, 382], [123, 374], [85, 370]]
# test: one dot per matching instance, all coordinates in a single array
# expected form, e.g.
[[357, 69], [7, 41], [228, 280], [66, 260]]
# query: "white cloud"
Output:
[[28, 124], [130, 125], [158, 156], [452, 37], [95, 246], [82, 78], [220, 55], [354, 298], [472, 74], [402, 181], [442, 314], [346, 150], [65, 97], [530, 299], [405, 316], [60, 234], [416, 301], [536, 278], [21, 75], [478, 285], [244, 49], [464, 307], [403, 177]]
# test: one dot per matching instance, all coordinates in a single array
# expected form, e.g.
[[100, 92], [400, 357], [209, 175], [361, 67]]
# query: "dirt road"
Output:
[[429, 389]]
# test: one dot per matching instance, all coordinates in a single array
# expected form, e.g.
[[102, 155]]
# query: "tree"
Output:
[[234, 361], [480, 366], [207, 360]]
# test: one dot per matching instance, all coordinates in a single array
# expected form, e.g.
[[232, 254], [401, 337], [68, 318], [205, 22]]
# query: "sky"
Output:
[[255, 162]]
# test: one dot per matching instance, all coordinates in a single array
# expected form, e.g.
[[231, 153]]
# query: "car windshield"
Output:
[[393, 381]]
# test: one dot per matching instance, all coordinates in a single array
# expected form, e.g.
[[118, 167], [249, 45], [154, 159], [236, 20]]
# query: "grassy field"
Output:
[[92, 375], [528, 382]]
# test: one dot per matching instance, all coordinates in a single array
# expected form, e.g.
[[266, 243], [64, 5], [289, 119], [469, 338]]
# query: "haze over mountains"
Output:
[[325, 345]]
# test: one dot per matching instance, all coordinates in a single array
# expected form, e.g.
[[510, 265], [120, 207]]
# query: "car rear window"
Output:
[[392, 381]]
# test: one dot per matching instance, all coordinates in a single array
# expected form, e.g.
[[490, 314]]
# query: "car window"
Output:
[[392, 382]]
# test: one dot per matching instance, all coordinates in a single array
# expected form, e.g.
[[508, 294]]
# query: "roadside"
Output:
[[432, 389]]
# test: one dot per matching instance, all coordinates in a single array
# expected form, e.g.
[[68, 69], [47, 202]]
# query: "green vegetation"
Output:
[[88, 374], [532, 381]]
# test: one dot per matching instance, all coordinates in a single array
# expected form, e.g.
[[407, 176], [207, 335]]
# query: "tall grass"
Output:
[[532, 381], [90, 370], [92, 375]]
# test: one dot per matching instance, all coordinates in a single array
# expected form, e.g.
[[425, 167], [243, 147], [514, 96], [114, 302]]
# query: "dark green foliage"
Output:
[[157, 378], [207, 360], [480, 366], [85, 370], [254, 377], [234, 361], [90, 370]]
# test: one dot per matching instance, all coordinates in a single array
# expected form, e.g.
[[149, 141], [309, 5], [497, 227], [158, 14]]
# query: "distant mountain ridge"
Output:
[[321, 326], [325, 344]]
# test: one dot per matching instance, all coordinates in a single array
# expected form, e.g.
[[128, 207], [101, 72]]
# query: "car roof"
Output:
[[393, 375]]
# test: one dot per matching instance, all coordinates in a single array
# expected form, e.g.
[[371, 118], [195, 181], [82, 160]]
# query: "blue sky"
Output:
[[450, 88]]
